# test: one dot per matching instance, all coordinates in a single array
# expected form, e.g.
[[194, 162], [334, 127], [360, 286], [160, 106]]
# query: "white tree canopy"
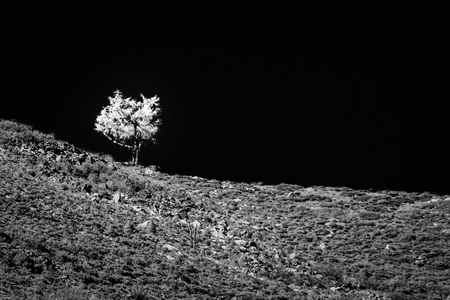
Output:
[[129, 122]]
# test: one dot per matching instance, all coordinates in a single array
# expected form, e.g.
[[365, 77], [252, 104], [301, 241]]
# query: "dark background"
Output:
[[331, 96]]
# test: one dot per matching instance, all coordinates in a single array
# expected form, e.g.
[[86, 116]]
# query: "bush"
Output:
[[71, 293], [88, 169], [11, 131]]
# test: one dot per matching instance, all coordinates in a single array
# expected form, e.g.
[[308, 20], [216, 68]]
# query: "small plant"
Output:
[[94, 169], [70, 293], [130, 123], [139, 293], [193, 233]]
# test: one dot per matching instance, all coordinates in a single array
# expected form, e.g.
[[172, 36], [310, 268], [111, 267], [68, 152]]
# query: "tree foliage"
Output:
[[130, 123]]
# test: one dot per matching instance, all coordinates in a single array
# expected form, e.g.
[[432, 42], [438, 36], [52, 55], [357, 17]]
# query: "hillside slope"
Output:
[[79, 225]]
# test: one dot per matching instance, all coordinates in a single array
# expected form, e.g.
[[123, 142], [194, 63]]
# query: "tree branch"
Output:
[[115, 142]]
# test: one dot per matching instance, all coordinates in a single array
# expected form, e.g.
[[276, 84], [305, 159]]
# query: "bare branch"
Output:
[[116, 142]]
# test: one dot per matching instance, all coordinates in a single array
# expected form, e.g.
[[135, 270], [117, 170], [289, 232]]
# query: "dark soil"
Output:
[[79, 225]]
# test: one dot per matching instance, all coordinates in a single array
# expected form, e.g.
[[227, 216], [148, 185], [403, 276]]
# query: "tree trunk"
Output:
[[136, 149]]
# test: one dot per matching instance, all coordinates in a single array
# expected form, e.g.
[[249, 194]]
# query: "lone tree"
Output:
[[130, 123]]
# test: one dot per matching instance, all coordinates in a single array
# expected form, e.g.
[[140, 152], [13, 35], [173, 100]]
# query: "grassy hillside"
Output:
[[79, 225]]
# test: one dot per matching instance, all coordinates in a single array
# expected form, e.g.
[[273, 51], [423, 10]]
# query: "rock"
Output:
[[217, 233], [128, 227], [116, 198], [143, 225], [240, 242], [322, 246], [152, 169], [148, 226], [170, 247], [95, 197], [109, 184]]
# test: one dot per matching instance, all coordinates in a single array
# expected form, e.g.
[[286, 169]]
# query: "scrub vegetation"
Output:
[[80, 225]]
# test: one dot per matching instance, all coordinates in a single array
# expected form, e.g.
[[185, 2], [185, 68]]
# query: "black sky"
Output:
[[330, 97]]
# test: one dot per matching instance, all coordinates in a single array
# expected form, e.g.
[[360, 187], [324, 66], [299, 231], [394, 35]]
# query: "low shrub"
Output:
[[87, 169], [71, 293], [13, 131]]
